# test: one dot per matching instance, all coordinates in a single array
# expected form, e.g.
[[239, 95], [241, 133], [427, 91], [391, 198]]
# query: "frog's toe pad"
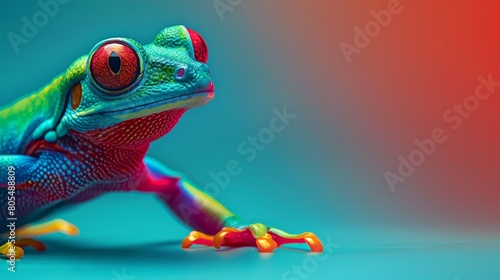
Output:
[[9, 250]]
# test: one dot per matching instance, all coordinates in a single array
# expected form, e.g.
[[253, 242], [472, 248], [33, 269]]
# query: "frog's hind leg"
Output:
[[25, 232]]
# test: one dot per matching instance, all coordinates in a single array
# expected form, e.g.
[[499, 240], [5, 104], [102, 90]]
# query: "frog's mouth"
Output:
[[189, 100]]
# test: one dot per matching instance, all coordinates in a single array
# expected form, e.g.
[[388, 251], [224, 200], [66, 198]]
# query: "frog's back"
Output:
[[17, 122], [20, 120]]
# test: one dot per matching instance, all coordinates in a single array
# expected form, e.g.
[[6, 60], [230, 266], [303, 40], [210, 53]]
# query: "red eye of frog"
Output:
[[199, 46], [115, 66]]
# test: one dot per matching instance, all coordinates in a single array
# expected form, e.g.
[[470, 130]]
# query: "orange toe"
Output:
[[24, 242], [221, 235], [196, 237], [313, 241], [265, 243]]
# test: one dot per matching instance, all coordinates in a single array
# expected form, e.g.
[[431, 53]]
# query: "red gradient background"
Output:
[[396, 90]]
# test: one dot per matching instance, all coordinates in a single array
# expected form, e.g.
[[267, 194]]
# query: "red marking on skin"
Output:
[[37, 146], [117, 152], [239, 239], [281, 240], [137, 132], [107, 161], [199, 46], [18, 185], [157, 184], [211, 87]]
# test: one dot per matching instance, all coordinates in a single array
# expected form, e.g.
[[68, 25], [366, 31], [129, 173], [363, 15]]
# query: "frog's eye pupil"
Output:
[[115, 67], [114, 62]]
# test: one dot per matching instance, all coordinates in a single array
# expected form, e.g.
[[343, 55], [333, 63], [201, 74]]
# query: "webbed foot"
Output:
[[16, 249], [258, 235]]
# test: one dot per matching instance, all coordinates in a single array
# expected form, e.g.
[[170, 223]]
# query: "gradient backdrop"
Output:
[[325, 172]]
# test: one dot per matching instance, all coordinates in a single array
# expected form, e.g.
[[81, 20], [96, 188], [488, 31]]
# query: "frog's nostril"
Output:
[[180, 73]]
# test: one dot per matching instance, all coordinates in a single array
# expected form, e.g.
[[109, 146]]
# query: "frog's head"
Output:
[[132, 94]]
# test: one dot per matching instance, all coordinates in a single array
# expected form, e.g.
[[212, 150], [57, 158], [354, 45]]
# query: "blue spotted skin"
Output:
[[73, 140]]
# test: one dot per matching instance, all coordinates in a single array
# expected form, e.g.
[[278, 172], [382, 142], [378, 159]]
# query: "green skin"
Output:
[[65, 150]]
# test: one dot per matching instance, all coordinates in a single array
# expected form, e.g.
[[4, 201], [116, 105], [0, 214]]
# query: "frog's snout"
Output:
[[211, 86]]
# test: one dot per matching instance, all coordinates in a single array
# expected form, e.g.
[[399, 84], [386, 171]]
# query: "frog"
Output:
[[87, 133]]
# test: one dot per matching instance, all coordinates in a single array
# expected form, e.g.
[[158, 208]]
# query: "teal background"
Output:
[[314, 176]]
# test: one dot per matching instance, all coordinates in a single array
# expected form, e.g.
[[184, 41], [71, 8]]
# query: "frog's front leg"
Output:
[[214, 224]]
